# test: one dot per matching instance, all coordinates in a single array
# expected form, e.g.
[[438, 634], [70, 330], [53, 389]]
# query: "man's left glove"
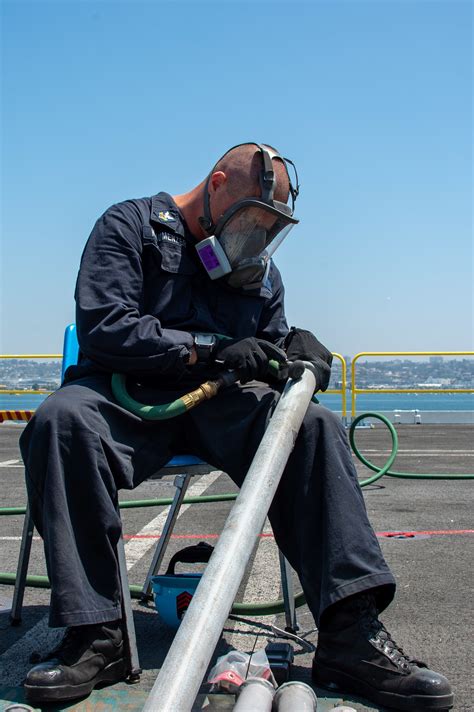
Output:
[[250, 356], [302, 344]]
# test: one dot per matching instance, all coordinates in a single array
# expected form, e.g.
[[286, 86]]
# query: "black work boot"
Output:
[[88, 656], [357, 655]]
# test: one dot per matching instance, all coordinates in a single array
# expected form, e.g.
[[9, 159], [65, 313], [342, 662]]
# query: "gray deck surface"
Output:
[[431, 616]]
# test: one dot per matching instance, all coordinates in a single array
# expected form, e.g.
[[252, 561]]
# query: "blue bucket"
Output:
[[173, 594]]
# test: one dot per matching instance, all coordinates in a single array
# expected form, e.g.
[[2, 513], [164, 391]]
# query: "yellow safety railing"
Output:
[[341, 391], [356, 391]]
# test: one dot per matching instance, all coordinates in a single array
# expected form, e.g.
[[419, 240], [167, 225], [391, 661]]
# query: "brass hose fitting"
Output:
[[205, 391]]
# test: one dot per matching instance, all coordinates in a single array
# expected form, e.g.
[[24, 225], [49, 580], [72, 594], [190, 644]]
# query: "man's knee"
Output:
[[63, 409], [67, 411], [321, 418], [322, 429]]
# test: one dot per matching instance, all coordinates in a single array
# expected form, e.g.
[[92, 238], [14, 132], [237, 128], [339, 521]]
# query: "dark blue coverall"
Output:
[[140, 293]]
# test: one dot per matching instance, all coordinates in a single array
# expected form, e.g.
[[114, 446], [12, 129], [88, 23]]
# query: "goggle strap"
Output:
[[294, 189], [267, 175], [205, 220]]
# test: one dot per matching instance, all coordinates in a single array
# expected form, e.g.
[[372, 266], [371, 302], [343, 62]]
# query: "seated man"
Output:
[[157, 277]]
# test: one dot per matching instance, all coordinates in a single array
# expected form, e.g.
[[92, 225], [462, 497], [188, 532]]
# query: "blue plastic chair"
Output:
[[70, 349]]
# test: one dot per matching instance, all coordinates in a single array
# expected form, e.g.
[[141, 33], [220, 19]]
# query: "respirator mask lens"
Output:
[[278, 239], [244, 240], [248, 239], [244, 235], [250, 232]]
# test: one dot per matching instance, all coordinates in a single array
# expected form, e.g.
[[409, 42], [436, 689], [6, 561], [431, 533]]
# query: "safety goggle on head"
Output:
[[244, 238]]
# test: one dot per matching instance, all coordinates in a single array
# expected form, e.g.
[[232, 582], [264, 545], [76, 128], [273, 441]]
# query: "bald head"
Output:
[[242, 167], [235, 176]]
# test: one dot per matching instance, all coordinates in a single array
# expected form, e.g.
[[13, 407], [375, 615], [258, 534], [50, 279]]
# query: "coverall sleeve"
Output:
[[272, 325], [112, 328]]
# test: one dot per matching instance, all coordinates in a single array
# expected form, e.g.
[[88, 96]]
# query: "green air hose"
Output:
[[190, 400], [385, 470], [243, 609], [147, 412]]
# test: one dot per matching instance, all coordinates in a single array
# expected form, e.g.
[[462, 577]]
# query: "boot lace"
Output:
[[381, 638]]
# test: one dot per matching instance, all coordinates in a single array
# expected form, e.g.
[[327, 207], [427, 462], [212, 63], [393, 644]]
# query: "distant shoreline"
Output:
[[333, 401]]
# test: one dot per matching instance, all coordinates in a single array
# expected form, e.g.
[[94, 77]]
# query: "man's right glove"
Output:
[[302, 344], [249, 357]]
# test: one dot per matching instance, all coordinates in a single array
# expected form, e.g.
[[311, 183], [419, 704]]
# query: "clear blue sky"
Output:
[[104, 101]]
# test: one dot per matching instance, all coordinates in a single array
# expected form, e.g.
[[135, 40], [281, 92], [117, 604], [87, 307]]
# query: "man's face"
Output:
[[221, 200]]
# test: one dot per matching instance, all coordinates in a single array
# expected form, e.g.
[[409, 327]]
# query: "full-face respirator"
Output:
[[244, 238]]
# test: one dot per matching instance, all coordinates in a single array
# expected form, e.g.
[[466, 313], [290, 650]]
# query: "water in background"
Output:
[[376, 401], [401, 401]]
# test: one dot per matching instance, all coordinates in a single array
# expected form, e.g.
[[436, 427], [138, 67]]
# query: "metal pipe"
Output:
[[292, 696], [185, 665], [255, 695]]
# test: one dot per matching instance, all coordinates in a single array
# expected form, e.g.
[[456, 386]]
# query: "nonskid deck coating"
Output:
[[431, 617]]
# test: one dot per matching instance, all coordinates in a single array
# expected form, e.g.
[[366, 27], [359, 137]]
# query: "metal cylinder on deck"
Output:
[[255, 695], [187, 660], [292, 696]]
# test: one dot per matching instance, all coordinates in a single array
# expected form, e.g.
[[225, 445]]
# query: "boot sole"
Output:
[[332, 679], [113, 672]]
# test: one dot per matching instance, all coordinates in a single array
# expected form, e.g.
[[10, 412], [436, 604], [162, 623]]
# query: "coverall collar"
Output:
[[165, 212]]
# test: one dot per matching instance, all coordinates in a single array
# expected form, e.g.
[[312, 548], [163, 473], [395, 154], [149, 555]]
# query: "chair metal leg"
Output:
[[181, 483], [22, 569], [288, 595], [135, 670]]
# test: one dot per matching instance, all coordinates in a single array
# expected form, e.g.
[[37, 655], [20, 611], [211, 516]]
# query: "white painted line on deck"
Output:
[[17, 538], [9, 463], [136, 548]]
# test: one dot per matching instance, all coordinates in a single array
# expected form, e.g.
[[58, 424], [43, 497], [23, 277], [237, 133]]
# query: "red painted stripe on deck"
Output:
[[436, 532], [430, 532]]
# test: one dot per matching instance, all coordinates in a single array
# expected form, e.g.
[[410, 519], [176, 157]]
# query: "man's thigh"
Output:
[[227, 430], [84, 416]]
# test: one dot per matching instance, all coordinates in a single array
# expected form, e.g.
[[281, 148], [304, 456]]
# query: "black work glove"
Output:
[[302, 344], [249, 357]]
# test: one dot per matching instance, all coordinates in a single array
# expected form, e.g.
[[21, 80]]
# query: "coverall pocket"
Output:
[[173, 256]]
